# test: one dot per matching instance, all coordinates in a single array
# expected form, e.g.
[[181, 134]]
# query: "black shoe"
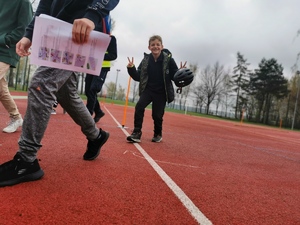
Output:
[[135, 137], [55, 104], [93, 147], [157, 138], [98, 116], [17, 171]]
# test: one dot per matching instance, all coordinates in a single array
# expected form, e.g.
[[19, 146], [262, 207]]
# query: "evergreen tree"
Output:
[[268, 84], [240, 82]]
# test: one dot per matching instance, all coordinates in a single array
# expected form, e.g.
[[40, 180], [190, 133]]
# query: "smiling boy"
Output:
[[155, 74]]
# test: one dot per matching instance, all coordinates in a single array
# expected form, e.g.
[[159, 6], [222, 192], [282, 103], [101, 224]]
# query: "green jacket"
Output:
[[15, 15]]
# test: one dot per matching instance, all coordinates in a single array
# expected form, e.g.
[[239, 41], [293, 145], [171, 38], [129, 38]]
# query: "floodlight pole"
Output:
[[118, 70]]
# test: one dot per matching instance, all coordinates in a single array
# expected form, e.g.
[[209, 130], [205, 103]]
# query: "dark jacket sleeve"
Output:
[[133, 73], [100, 7], [173, 68], [44, 7], [112, 52], [136, 73], [94, 12]]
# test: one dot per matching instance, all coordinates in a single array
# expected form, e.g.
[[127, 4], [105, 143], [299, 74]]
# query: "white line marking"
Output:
[[19, 97], [185, 200], [170, 163]]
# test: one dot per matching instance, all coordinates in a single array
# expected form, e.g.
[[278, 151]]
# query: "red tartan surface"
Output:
[[233, 173]]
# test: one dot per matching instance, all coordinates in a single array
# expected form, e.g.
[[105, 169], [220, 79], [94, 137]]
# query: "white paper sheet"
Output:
[[52, 46]]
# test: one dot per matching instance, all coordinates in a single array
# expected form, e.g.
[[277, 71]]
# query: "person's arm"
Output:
[[131, 69], [96, 11], [112, 52], [23, 18], [133, 73], [100, 9], [22, 47], [43, 8], [173, 68]]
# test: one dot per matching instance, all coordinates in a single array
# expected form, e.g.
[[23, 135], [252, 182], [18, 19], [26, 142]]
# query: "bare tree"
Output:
[[227, 91], [120, 95], [199, 98], [218, 102], [186, 91], [182, 97], [211, 80], [110, 89]]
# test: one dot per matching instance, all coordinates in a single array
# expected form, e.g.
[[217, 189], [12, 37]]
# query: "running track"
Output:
[[204, 172]]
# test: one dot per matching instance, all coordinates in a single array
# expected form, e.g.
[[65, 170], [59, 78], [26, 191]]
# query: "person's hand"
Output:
[[182, 65], [22, 47], [81, 30], [130, 62]]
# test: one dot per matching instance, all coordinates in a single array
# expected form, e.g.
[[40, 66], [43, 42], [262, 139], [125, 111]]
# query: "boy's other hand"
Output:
[[22, 47], [81, 30], [183, 65], [130, 62]]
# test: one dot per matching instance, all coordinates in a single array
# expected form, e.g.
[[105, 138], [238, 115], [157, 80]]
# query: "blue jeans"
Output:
[[48, 85]]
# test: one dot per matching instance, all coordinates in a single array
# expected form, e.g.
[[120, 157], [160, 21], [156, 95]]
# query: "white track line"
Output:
[[185, 200], [19, 97]]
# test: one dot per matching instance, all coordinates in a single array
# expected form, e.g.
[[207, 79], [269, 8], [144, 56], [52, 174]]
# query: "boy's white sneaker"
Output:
[[13, 125]]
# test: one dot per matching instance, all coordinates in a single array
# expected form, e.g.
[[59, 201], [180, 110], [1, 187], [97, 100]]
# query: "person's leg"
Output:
[[90, 94], [144, 100], [69, 99], [97, 85], [97, 108], [46, 85], [8, 102], [41, 96], [158, 110]]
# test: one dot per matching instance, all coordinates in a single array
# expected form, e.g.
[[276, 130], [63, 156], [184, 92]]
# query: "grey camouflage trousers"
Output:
[[48, 85]]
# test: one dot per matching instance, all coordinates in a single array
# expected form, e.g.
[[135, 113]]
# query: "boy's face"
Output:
[[155, 47]]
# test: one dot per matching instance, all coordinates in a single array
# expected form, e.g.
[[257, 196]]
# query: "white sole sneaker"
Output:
[[13, 126]]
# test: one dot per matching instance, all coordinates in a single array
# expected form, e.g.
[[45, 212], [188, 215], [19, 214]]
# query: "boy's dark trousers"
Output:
[[158, 109], [93, 85]]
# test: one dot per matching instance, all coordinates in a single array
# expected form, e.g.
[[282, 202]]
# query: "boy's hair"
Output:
[[155, 37]]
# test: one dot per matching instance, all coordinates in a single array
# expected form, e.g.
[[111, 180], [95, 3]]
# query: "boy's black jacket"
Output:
[[169, 69]]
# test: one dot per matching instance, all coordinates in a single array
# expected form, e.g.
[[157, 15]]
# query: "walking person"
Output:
[[15, 15], [155, 74], [50, 84], [93, 84]]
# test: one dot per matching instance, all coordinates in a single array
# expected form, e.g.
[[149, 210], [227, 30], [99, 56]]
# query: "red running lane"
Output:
[[233, 173]]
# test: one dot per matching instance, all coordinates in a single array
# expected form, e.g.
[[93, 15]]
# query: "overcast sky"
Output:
[[206, 31]]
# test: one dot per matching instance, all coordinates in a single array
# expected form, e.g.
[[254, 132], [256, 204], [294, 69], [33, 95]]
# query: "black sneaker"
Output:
[[98, 116], [93, 147], [135, 137], [17, 171], [157, 138]]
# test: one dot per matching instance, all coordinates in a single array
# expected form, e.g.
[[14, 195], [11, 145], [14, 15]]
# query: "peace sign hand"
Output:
[[130, 62], [183, 65]]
